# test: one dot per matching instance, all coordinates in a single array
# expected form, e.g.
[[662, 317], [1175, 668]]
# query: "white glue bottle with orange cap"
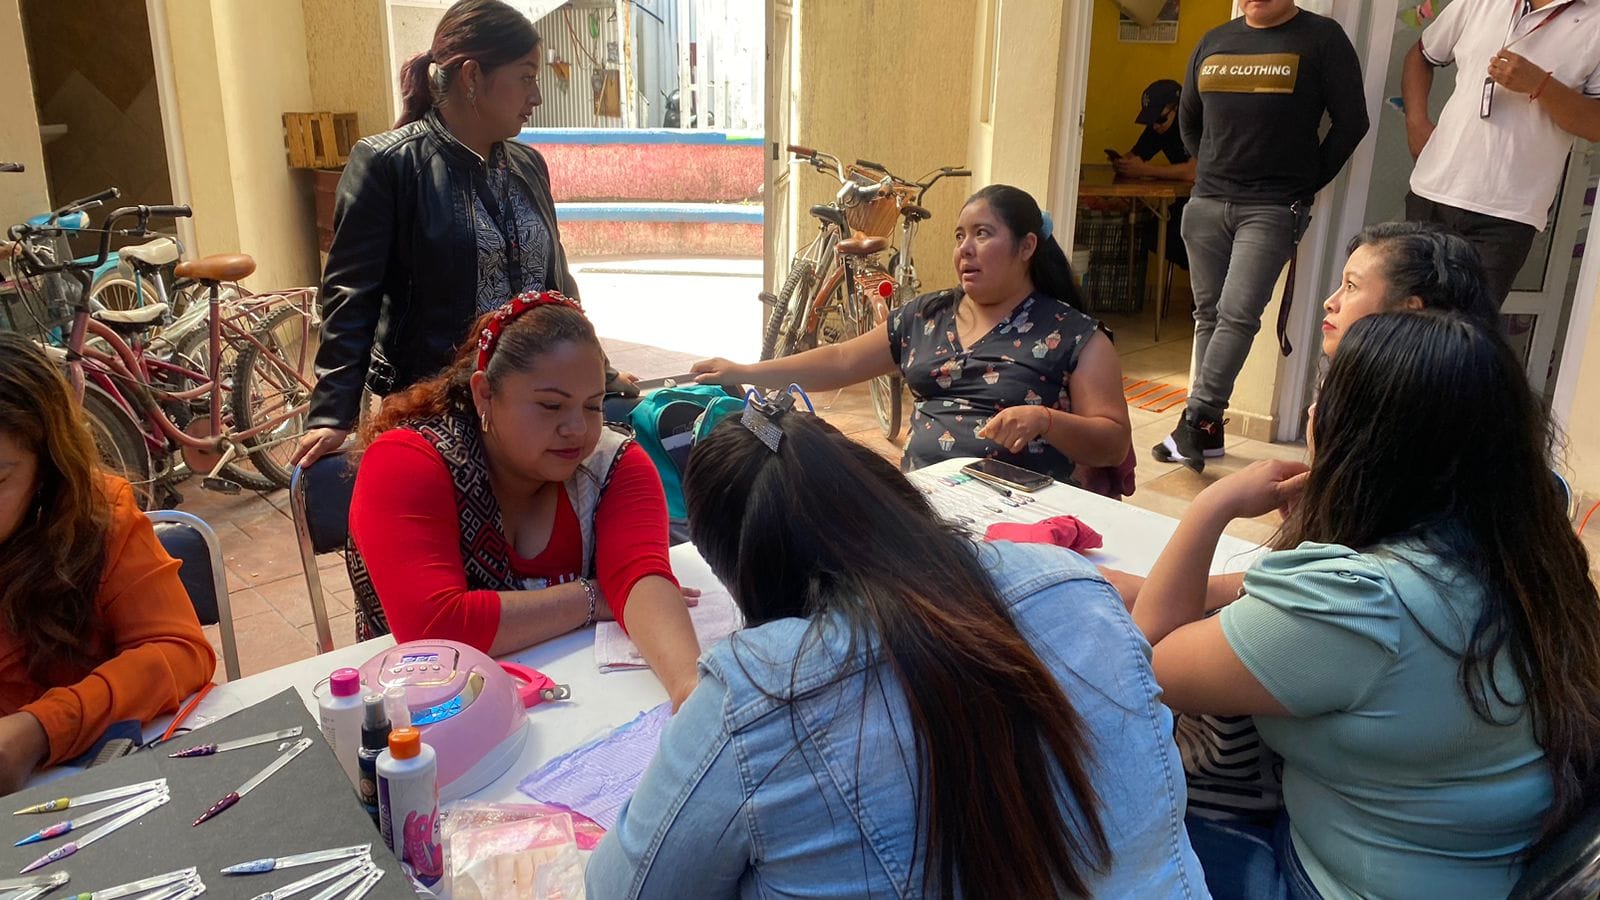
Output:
[[408, 804]]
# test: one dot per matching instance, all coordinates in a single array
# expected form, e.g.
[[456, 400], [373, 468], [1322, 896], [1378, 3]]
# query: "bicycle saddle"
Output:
[[915, 212], [154, 253], [863, 245], [217, 267], [131, 320]]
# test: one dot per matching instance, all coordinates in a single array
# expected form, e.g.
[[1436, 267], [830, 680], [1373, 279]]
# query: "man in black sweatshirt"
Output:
[[1251, 113]]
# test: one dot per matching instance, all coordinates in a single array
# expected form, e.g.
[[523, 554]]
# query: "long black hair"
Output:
[[1049, 268], [489, 31], [1426, 429], [828, 530], [1432, 263]]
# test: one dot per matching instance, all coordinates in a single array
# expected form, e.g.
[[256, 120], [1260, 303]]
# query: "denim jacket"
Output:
[[751, 796]]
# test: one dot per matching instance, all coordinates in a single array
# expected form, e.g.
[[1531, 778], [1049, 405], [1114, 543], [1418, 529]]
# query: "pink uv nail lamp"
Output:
[[468, 709]]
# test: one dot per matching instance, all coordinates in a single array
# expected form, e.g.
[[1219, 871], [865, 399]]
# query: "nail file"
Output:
[[211, 749], [312, 880], [71, 847], [118, 793], [233, 797]]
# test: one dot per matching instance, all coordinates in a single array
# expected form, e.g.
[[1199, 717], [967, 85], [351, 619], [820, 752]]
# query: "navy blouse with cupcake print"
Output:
[[1026, 359]]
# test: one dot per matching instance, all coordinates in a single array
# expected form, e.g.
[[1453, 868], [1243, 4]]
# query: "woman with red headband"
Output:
[[493, 506]]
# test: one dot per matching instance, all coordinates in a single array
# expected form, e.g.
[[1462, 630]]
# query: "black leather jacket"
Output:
[[402, 274]]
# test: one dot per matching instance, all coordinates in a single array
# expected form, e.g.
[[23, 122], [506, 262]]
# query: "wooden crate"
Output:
[[319, 140]]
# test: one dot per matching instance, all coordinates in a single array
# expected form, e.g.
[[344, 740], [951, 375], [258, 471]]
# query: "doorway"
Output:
[[96, 90]]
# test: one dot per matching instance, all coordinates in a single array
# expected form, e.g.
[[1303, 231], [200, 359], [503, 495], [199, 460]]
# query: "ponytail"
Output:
[[1049, 270], [1052, 273], [416, 93]]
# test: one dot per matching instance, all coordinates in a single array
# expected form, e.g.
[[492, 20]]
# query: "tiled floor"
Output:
[[272, 616]]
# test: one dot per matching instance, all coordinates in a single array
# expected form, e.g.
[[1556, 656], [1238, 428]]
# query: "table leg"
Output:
[[1163, 212]]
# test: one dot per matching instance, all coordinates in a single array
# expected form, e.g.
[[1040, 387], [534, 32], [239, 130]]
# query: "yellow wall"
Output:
[[1018, 143], [1119, 72], [237, 70], [905, 105], [21, 194], [348, 63]]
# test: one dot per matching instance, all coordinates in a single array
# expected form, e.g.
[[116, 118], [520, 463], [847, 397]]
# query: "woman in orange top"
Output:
[[95, 626]]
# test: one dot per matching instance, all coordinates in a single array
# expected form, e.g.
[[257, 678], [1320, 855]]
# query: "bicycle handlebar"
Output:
[[80, 268], [801, 150], [89, 202]]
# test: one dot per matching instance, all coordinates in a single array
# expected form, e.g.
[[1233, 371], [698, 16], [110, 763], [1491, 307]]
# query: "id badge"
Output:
[[1485, 105]]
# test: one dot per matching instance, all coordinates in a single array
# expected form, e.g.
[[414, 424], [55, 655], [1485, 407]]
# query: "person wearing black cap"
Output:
[[1158, 113]]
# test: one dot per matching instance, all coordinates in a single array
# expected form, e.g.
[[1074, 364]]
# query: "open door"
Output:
[[779, 200]]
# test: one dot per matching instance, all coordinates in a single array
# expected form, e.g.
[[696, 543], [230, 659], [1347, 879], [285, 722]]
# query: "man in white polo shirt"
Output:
[[1527, 83]]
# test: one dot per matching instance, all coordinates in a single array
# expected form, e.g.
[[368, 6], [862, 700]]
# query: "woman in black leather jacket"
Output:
[[437, 221]]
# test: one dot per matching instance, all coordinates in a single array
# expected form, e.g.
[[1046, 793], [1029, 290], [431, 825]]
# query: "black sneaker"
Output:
[[1196, 439]]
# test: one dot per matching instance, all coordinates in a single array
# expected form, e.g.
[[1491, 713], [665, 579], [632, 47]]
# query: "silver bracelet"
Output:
[[594, 595]]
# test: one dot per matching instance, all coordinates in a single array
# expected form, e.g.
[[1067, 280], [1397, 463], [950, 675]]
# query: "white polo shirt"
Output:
[[1510, 164]]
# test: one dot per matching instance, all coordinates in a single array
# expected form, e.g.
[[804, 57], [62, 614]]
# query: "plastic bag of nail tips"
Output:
[[465, 814], [505, 860], [562, 878]]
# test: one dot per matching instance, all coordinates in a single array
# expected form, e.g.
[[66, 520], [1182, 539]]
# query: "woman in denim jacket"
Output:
[[908, 713]]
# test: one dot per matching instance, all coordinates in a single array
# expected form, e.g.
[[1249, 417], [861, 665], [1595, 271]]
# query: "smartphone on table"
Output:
[[1006, 475]]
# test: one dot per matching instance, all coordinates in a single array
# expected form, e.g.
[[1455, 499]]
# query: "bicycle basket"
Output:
[[40, 306], [875, 218]]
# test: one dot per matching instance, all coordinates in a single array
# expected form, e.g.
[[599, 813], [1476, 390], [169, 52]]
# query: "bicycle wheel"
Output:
[[265, 388], [121, 443], [192, 352], [796, 337], [114, 290], [780, 314], [886, 390]]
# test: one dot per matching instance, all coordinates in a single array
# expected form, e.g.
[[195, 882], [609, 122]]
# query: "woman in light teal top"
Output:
[[1420, 647]]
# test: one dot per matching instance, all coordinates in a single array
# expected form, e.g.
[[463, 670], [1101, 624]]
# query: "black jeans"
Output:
[[1502, 244]]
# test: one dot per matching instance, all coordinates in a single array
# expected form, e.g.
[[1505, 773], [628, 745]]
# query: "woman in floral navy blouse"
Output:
[[1005, 366]]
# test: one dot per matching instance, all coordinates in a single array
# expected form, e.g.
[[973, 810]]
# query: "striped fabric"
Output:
[[1232, 775]]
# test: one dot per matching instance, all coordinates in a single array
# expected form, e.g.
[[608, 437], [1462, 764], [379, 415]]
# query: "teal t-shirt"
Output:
[[1394, 787]]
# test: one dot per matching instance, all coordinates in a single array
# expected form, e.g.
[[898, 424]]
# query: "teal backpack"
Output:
[[668, 422]]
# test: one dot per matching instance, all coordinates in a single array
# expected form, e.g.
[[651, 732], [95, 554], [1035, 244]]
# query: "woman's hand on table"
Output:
[[23, 746], [718, 371], [1259, 488], [1016, 426]]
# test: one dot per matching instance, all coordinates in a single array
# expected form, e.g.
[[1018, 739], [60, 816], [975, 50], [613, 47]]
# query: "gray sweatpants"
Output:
[[1236, 252]]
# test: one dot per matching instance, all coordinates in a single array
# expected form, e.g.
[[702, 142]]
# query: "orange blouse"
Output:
[[156, 654]]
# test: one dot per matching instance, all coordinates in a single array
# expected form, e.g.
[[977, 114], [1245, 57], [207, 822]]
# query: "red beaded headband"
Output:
[[489, 337]]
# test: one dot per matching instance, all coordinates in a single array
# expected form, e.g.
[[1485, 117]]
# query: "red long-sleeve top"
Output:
[[403, 521]]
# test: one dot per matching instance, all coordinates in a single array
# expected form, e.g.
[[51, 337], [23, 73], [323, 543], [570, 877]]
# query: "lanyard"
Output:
[[504, 218], [1516, 7]]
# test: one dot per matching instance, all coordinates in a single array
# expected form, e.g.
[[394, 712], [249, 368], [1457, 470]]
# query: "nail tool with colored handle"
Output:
[[210, 749], [71, 847], [258, 866], [314, 879], [118, 793], [75, 823], [233, 797]]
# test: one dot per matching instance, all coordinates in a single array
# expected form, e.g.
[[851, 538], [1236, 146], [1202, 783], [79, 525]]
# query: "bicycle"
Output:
[[157, 416], [837, 274]]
